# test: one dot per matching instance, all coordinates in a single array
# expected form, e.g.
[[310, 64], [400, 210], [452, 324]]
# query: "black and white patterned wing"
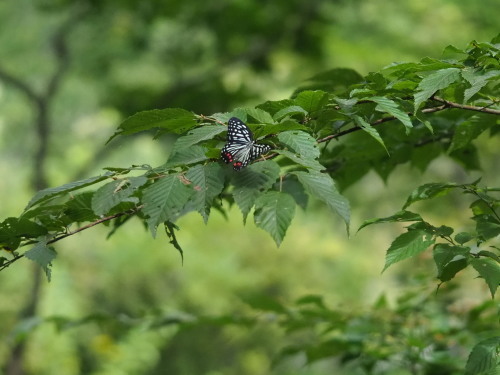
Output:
[[240, 148], [238, 132]]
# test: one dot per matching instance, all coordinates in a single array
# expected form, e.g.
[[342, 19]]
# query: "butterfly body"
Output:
[[240, 148]]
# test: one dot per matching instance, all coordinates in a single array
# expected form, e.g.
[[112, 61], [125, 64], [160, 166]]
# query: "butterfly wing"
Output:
[[240, 148], [238, 132]]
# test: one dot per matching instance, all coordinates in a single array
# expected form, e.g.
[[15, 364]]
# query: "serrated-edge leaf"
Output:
[[186, 156], [208, 182], [400, 216], [322, 186], [466, 131], [434, 82], [289, 111], [287, 125], [477, 79], [260, 115], [274, 212], [484, 357], [176, 120], [115, 192], [164, 199], [300, 142], [46, 194], [449, 259], [429, 191], [489, 270], [391, 107], [310, 100], [407, 245], [308, 163], [367, 127], [251, 181], [197, 135], [43, 255]]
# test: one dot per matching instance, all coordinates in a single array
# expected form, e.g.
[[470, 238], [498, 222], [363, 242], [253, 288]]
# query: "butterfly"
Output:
[[240, 148]]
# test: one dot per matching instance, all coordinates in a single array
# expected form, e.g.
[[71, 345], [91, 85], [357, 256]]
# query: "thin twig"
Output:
[[466, 107], [90, 225]]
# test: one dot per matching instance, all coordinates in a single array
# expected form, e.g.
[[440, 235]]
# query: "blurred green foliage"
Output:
[[210, 57]]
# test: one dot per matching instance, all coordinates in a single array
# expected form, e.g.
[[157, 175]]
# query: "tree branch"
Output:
[[466, 107], [62, 236]]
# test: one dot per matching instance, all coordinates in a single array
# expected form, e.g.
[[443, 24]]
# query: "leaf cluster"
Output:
[[330, 133]]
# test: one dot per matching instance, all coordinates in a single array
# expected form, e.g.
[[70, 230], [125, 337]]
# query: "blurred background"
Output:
[[70, 71]]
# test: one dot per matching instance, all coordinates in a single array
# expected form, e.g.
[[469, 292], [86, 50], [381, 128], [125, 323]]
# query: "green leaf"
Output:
[[300, 142], [208, 182], [273, 106], [334, 79], [164, 199], [477, 78], [115, 192], [389, 106], [400, 216], [369, 129], [463, 237], [251, 181], [197, 135], [278, 128], [170, 229], [13, 230], [289, 111], [408, 245], [467, 131], [484, 358], [79, 208], [186, 156], [429, 191], [489, 270], [311, 101], [321, 186], [43, 255], [260, 115], [173, 120], [449, 260], [274, 212], [305, 162], [434, 82], [487, 226], [46, 194], [295, 189]]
